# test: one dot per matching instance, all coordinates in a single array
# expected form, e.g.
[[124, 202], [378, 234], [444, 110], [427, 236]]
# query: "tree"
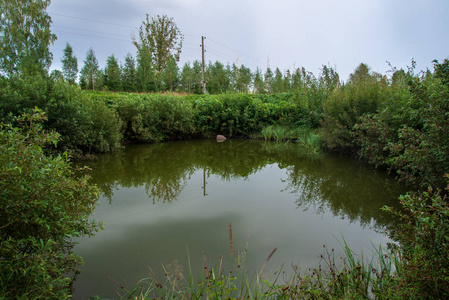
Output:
[[244, 79], [129, 76], [25, 37], [186, 78], [217, 78], [329, 78], [296, 82], [90, 75], [361, 74], [197, 81], [170, 76], [268, 80], [146, 77], [69, 65], [112, 74], [162, 38], [278, 82], [259, 85]]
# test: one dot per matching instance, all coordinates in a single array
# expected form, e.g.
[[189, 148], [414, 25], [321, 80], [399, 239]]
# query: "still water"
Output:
[[161, 200]]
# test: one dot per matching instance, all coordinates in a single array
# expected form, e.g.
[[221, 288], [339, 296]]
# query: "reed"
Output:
[[338, 276]]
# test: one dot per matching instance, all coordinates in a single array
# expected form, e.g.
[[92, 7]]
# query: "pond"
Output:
[[162, 201]]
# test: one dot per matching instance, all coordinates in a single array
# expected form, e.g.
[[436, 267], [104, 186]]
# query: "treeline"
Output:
[[139, 75]]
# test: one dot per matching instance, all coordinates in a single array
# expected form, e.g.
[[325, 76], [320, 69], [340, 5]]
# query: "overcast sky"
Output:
[[284, 33]]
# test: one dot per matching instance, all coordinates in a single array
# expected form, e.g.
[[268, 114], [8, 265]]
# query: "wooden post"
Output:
[[202, 48]]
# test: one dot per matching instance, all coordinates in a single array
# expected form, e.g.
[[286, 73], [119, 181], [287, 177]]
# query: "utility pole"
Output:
[[202, 48]]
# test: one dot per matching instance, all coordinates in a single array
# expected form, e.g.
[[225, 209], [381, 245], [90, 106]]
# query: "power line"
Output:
[[235, 50], [91, 20], [97, 36], [121, 35]]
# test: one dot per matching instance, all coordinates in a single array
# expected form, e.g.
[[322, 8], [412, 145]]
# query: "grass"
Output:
[[303, 136], [338, 276]]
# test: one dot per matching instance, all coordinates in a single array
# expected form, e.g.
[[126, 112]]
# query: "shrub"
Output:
[[424, 246], [42, 207], [343, 110]]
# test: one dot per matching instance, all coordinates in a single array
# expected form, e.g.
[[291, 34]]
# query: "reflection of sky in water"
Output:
[[263, 205]]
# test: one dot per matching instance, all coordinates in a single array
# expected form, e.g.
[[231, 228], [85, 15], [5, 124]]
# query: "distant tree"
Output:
[[112, 74], [287, 81], [90, 74], [233, 77], [217, 78], [56, 75], [308, 79], [329, 78], [244, 79], [197, 87], [268, 80], [186, 78], [69, 65], [278, 82], [169, 76], [296, 81], [25, 37], [361, 73], [162, 38], [129, 76], [146, 75], [442, 70], [259, 85]]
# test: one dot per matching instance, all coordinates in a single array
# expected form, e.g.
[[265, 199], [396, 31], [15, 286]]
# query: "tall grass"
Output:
[[338, 276], [214, 281], [302, 135]]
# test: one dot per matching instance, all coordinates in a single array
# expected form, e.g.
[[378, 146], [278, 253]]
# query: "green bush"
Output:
[[153, 118], [410, 133], [84, 125], [344, 108], [424, 245], [42, 207]]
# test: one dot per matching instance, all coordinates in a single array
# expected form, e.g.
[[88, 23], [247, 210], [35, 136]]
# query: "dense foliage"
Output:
[[42, 207]]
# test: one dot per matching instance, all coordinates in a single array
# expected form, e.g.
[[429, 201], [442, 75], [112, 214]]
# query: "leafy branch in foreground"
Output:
[[42, 207]]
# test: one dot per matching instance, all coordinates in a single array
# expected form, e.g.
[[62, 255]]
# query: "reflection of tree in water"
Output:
[[344, 186]]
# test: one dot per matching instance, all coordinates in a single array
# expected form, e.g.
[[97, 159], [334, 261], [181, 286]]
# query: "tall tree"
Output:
[[296, 82], [244, 79], [217, 78], [268, 80], [278, 81], [186, 78], [129, 78], [169, 76], [69, 65], [162, 38], [259, 84], [197, 81], [90, 74], [329, 78], [25, 37], [146, 77], [361, 73], [112, 75]]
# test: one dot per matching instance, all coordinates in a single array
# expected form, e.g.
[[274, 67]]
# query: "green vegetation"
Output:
[[400, 124], [42, 208]]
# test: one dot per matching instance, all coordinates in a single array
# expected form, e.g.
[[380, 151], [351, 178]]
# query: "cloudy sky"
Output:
[[283, 33]]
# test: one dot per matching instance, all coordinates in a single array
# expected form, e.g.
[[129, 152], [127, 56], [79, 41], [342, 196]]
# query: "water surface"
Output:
[[159, 200]]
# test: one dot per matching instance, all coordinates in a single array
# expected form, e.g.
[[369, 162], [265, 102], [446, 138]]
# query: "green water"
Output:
[[159, 200]]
